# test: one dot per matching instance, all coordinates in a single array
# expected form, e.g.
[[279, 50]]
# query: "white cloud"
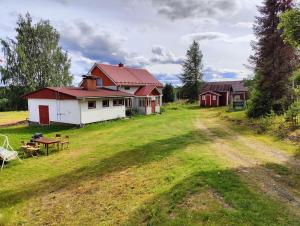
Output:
[[247, 25], [209, 36], [182, 9], [163, 56]]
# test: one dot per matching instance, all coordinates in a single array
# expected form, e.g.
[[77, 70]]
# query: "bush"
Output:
[[131, 112], [292, 114], [266, 122]]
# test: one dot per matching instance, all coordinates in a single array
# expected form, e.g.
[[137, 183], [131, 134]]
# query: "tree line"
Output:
[[32, 60]]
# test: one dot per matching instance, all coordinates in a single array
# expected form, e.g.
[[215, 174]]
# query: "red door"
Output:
[[207, 100], [44, 114], [153, 106]]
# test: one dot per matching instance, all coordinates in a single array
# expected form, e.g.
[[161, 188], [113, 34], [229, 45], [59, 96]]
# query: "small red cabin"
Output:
[[216, 94], [210, 99]]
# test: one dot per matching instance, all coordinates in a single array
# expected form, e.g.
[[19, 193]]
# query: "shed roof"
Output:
[[79, 92], [224, 86], [129, 76]]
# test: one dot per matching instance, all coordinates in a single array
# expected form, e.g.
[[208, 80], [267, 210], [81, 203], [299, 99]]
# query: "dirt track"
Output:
[[249, 157]]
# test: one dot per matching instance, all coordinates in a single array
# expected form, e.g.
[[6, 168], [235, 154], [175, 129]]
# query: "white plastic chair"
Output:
[[7, 153]]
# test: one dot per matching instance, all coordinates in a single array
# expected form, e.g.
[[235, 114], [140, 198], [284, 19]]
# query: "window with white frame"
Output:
[[99, 82], [118, 102], [214, 97], [142, 102], [105, 103], [91, 104], [157, 100], [203, 97], [128, 102]]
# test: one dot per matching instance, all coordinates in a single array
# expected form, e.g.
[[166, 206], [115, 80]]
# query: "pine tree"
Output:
[[168, 93], [33, 60], [273, 60], [192, 72]]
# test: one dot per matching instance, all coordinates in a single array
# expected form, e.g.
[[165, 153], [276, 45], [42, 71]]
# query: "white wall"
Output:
[[100, 113], [63, 111]]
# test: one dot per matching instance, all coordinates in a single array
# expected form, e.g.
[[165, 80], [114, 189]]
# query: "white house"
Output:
[[145, 88], [104, 94], [78, 106]]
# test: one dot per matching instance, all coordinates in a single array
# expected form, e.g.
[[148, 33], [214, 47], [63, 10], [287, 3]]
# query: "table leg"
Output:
[[47, 146]]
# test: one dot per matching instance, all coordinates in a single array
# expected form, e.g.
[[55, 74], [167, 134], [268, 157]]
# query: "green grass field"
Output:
[[187, 166], [12, 116]]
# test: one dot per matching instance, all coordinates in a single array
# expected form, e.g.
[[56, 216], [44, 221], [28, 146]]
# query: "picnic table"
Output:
[[46, 141]]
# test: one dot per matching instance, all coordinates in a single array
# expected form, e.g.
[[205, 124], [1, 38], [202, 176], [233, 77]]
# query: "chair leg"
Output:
[[2, 165], [19, 159]]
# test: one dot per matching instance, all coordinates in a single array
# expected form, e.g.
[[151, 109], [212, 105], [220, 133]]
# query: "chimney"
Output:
[[121, 65], [89, 82]]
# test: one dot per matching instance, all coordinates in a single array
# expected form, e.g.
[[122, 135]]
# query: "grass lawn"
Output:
[[186, 166], [12, 116]]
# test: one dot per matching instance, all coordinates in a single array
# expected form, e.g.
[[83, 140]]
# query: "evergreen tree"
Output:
[[273, 60], [168, 93], [192, 72], [33, 60]]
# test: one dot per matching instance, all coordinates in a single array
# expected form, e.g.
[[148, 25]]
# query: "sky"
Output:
[[151, 34]]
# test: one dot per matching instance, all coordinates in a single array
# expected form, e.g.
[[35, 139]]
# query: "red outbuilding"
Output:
[[214, 94]]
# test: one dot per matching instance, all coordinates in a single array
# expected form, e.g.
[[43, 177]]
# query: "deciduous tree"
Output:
[[33, 60]]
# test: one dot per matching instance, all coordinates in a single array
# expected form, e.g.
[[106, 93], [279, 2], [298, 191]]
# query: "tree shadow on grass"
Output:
[[154, 151], [242, 206]]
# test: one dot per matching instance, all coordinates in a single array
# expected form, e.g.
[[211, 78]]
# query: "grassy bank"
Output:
[[12, 116], [166, 169]]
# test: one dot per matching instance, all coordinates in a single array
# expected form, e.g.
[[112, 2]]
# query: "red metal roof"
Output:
[[79, 92], [236, 86], [145, 91], [129, 76]]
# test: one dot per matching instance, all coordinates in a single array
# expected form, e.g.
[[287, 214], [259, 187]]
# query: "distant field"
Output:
[[12, 116]]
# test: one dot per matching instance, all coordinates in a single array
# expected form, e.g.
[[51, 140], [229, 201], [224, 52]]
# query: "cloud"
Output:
[[182, 9], [168, 78], [248, 25], [99, 45], [93, 43], [216, 74], [202, 36], [163, 56], [208, 36]]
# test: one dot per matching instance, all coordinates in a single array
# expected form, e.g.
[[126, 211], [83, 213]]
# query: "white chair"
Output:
[[7, 153]]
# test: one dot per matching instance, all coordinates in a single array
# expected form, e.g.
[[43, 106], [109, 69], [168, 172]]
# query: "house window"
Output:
[[91, 104], [99, 82], [128, 102], [127, 88], [203, 97], [142, 102], [214, 97], [157, 101], [105, 103], [237, 97], [118, 102]]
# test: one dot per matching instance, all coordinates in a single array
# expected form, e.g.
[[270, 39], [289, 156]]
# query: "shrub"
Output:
[[266, 122], [292, 114]]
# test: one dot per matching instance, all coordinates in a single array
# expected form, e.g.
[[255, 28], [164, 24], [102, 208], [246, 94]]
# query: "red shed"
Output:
[[209, 99], [216, 94]]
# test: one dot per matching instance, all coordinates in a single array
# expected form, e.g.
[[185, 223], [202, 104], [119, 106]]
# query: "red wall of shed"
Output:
[[105, 80], [48, 94]]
